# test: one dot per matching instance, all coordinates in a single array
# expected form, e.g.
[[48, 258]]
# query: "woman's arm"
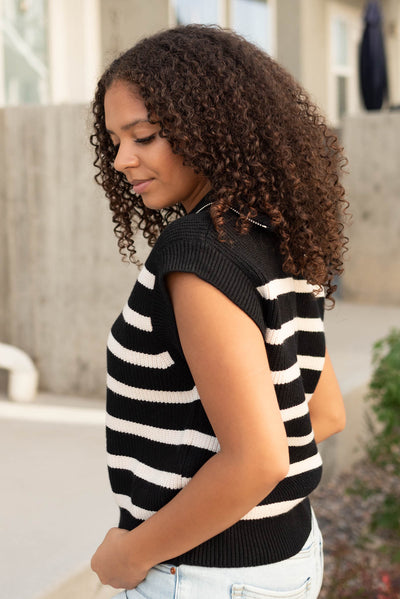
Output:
[[226, 354], [326, 405]]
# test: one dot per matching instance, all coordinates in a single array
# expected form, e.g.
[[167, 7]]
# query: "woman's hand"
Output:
[[113, 561]]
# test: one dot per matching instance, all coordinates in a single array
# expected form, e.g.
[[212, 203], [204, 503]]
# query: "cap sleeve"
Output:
[[213, 266]]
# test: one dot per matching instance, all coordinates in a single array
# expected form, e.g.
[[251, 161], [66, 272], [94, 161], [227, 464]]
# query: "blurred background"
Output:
[[62, 282]]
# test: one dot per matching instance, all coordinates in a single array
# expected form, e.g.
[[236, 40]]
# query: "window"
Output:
[[340, 42], [24, 41], [191, 11], [345, 25], [250, 18]]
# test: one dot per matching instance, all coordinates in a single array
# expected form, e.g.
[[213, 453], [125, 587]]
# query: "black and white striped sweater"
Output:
[[158, 434]]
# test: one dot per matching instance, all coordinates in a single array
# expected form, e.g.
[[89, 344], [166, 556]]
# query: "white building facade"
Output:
[[52, 51]]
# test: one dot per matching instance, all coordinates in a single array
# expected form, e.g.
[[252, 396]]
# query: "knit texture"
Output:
[[158, 434]]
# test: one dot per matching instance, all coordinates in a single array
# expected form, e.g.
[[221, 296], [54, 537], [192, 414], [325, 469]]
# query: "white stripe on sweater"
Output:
[[257, 513], [273, 509], [152, 395], [161, 478], [146, 278], [288, 329], [300, 441], [137, 320], [305, 465], [281, 377], [164, 435], [137, 512], [277, 287], [294, 412], [311, 362], [282, 507], [161, 361]]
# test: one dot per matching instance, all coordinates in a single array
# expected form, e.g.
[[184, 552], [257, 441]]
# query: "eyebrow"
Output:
[[130, 125]]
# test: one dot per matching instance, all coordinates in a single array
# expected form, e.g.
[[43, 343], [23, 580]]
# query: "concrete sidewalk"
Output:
[[55, 499], [55, 502]]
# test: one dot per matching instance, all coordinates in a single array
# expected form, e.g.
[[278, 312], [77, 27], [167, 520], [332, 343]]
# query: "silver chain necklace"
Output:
[[237, 212], [205, 206]]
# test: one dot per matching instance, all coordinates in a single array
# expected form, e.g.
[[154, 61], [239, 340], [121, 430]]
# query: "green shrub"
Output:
[[383, 449], [385, 399]]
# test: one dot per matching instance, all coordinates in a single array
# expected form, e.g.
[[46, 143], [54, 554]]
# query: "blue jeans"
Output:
[[299, 577]]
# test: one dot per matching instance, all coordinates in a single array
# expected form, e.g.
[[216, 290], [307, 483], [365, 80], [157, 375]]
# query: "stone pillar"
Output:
[[288, 31], [124, 22], [74, 49], [302, 44], [4, 265], [391, 28]]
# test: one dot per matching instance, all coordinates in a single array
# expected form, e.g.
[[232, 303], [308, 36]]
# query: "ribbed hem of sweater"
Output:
[[247, 543]]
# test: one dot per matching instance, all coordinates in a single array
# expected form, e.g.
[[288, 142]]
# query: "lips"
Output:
[[140, 185]]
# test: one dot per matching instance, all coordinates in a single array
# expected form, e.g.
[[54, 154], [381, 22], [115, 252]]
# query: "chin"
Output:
[[157, 204]]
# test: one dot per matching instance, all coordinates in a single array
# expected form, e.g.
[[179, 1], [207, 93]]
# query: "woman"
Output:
[[217, 366]]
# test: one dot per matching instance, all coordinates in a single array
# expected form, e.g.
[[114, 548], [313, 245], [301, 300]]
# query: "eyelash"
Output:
[[145, 140], [142, 140]]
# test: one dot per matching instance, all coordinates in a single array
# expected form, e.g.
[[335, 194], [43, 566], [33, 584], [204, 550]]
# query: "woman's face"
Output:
[[145, 158]]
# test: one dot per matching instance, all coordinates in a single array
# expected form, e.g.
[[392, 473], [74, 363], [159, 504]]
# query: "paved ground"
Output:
[[55, 501]]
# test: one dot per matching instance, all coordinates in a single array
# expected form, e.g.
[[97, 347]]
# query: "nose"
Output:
[[125, 158]]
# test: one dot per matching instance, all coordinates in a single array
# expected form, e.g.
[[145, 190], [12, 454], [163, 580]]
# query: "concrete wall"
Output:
[[61, 278], [372, 143]]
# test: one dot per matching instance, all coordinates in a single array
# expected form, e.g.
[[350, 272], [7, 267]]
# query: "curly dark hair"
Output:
[[237, 117]]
